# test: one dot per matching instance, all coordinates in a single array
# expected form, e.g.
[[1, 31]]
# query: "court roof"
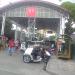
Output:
[[38, 3]]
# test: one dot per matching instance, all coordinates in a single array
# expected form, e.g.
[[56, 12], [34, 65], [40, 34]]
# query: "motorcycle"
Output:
[[32, 54]]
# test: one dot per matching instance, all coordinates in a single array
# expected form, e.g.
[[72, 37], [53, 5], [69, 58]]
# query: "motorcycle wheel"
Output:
[[26, 58]]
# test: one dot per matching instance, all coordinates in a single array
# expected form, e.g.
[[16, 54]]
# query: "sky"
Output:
[[6, 2]]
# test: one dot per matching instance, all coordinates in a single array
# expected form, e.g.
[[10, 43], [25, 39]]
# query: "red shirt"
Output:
[[11, 43]]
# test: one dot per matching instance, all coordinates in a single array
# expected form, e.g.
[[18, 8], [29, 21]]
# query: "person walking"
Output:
[[11, 45], [47, 56]]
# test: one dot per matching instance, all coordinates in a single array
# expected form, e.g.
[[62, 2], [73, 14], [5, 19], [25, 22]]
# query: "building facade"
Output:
[[46, 15]]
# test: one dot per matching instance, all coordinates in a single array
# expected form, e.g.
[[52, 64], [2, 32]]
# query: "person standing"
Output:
[[11, 45], [17, 45]]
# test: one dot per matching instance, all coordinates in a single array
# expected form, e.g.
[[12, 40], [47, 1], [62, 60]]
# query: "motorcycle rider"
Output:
[[35, 52]]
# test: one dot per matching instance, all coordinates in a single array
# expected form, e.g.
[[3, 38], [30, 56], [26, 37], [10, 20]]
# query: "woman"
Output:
[[11, 45]]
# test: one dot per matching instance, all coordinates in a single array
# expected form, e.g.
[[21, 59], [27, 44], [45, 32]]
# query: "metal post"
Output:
[[21, 35], [3, 24], [34, 27], [58, 28], [28, 28], [16, 33], [31, 28], [62, 25]]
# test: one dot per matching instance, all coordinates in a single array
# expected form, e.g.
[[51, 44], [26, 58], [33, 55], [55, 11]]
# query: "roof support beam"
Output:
[[3, 24]]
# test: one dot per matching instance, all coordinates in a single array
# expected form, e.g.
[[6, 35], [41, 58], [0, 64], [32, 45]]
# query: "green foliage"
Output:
[[52, 38], [70, 7], [68, 32]]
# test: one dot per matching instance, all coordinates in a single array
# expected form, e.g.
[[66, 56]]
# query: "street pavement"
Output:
[[14, 65]]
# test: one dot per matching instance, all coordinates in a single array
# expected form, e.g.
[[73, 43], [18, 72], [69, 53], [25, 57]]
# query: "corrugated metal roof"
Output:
[[38, 3]]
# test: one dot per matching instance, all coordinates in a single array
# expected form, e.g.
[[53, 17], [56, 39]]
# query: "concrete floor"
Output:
[[14, 65]]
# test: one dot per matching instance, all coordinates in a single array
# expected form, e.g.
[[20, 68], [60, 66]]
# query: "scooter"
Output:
[[29, 55]]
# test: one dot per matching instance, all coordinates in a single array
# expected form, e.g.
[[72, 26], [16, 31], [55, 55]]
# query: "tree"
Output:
[[70, 7], [68, 32]]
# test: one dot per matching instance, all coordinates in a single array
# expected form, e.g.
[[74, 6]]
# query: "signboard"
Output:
[[30, 11]]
